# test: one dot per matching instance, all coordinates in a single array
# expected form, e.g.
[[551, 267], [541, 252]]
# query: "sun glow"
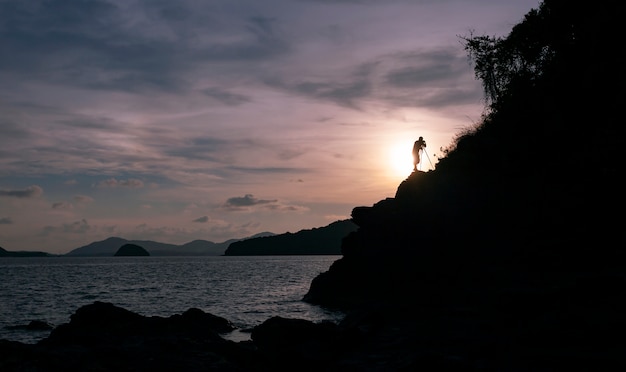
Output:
[[400, 158]]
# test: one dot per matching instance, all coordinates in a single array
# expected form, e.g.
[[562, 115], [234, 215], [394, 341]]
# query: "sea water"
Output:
[[245, 290]]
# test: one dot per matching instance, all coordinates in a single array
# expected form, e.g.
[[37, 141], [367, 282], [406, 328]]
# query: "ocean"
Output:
[[245, 290]]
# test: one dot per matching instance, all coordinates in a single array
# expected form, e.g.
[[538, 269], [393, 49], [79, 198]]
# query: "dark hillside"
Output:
[[518, 228], [537, 182], [317, 241]]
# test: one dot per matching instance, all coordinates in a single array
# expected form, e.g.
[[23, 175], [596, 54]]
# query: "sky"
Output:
[[176, 121]]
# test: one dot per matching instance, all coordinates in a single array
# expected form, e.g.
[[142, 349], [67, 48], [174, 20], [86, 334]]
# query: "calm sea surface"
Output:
[[244, 290]]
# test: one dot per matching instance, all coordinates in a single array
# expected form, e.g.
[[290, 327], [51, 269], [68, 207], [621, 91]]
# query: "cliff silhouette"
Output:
[[512, 250], [528, 197]]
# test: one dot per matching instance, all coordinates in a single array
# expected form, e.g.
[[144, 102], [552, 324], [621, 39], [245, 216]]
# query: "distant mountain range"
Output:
[[109, 246], [317, 241], [322, 240]]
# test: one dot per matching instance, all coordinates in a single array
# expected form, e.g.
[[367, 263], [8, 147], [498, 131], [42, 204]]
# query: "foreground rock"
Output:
[[104, 337]]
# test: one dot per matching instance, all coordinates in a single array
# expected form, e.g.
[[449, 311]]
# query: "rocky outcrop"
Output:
[[131, 250], [104, 337], [511, 244]]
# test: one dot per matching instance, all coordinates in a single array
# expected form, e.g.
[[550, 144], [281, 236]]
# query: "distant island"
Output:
[[108, 247], [5, 253], [131, 250], [317, 241]]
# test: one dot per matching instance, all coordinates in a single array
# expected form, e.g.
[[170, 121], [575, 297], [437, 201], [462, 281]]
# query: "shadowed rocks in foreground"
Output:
[[101, 336]]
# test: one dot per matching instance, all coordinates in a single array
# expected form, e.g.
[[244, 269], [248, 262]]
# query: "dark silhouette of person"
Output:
[[417, 147]]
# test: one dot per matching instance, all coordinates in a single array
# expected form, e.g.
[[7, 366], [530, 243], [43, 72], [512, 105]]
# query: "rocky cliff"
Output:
[[527, 199], [511, 249]]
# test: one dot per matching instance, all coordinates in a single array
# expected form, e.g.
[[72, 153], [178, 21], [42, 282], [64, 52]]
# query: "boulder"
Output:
[[285, 341]]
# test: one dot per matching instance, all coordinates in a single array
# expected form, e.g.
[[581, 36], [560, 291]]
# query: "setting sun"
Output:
[[400, 159]]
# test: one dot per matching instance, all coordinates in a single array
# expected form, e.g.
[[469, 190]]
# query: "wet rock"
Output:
[[33, 325], [285, 341]]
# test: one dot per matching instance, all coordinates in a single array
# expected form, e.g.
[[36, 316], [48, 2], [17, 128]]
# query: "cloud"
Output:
[[129, 47], [288, 154], [238, 203], [433, 78], [286, 208], [62, 206], [6, 221], [202, 219], [33, 191], [334, 2], [400, 79], [270, 170], [78, 227], [417, 76], [83, 199], [225, 97], [130, 183], [428, 66], [346, 92], [212, 149], [248, 202]]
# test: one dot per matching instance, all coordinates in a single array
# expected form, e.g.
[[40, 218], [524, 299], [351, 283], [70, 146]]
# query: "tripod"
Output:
[[427, 157]]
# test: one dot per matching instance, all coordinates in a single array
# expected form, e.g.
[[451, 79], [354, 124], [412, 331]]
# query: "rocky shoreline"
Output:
[[558, 329], [104, 337]]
